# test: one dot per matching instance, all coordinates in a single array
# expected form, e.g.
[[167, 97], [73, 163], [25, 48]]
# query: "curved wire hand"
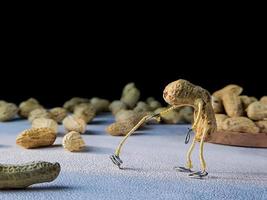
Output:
[[187, 138]]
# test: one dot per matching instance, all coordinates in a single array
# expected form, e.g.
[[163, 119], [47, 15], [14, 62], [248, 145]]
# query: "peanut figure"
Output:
[[183, 93]]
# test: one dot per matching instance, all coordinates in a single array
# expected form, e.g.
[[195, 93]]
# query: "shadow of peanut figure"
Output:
[[183, 93]]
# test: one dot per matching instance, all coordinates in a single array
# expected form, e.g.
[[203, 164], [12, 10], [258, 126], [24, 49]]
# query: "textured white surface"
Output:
[[234, 173]]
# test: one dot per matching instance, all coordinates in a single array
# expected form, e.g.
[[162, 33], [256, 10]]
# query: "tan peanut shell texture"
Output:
[[36, 137]]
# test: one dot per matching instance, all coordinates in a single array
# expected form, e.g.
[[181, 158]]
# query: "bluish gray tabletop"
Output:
[[149, 158]]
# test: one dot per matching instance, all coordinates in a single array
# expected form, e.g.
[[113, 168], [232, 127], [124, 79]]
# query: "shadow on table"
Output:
[[97, 150], [136, 169], [61, 134], [4, 146], [54, 146], [41, 189], [240, 176], [52, 188], [16, 119], [94, 132], [98, 121]]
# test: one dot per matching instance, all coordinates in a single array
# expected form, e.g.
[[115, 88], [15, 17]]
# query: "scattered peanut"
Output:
[[27, 106], [36, 137], [100, 105], [257, 111], [130, 95], [263, 100], [172, 117], [186, 114], [45, 123], [39, 113], [124, 126], [2, 102], [73, 123], [117, 106], [142, 107], [22, 176], [150, 99], [73, 141], [85, 111], [240, 124], [124, 114], [153, 104], [70, 104], [58, 114], [7, 111]]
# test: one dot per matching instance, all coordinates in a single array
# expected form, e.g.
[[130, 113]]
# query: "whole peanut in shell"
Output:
[[27, 106], [8, 111], [73, 123], [58, 114], [262, 125], [116, 106], [231, 100], [130, 95], [36, 137], [257, 111], [70, 104], [23, 175], [240, 124]]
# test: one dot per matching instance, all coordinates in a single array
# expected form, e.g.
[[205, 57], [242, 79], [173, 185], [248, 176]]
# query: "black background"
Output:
[[54, 62]]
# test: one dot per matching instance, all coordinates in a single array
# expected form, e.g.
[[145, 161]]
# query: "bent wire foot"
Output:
[[199, 174], [116, 160]]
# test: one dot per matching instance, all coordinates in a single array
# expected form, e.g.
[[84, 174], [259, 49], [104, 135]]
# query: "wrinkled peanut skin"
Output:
[[7, 111], [234, 89], [142, 107], [264, 100], [39, 113], [117, 106], [232, 105], [172, 117], [36, 137], [182, 92], [240, 124], [231, 100], [257, 111], [73, 123], [220, 119], [217, 104], [45, 123], [58, 114], [124, 114], [124, 126], [100, 105], [24, 175], [70, 104], [246, 100], [73, 142], [27, 106], [85, 111], [262, 125], [130, 95]]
